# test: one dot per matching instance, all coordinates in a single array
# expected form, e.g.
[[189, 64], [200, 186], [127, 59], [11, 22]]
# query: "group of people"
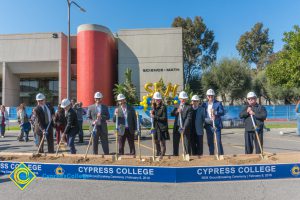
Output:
[[192, 120]]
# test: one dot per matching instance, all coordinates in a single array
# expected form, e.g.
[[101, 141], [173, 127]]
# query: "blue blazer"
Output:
[[218, 111], [199, 120]]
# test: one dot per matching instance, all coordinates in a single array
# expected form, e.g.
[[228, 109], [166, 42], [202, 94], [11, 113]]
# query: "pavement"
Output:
[[233, 142]]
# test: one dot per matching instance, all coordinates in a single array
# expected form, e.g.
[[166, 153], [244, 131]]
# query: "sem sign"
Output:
[[158, 174]]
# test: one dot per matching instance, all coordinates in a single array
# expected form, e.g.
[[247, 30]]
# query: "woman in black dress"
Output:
[[160, 120]]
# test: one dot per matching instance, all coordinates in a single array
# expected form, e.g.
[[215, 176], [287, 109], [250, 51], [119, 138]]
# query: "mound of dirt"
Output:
[[175, 161]]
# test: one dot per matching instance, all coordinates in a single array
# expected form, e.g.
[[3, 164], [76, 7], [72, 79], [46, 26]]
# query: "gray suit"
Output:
[[101, 128], [127, 132]]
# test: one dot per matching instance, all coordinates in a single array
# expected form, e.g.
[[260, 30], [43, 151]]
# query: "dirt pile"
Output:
[[166, 161]]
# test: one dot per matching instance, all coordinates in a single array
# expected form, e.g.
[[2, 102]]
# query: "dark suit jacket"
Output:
[[39, 123], [72, 127], [161, 119], [131, 118], [259, 118], [186, 115]]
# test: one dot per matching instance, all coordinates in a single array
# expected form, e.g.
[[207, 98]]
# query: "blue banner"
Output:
[[158, 174]]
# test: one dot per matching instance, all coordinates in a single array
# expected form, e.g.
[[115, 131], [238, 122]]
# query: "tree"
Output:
[[229, 77], [285, 70], [261, 86], [127, 89], [48, 94], [255, 46], [199, 47]]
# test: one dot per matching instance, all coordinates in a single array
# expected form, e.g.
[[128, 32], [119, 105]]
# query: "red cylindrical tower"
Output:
[[96, 63]]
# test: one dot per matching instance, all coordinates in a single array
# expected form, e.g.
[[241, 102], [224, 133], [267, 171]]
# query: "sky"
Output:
[[229, 19]]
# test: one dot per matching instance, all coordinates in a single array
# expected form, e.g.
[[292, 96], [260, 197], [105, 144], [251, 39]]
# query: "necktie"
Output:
[[46, 115]]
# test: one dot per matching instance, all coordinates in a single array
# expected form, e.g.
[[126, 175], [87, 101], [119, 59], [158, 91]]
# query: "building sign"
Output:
[[158, 174], [161, 70]]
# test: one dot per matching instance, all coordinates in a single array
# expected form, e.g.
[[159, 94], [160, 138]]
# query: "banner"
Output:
[[158, 174]]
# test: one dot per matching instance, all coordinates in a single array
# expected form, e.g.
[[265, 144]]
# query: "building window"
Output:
[[28, 85], [53, 86]]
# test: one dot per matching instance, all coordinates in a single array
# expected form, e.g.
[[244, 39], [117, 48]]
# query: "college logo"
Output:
[[295, 170], [59, 171], [22, 176]]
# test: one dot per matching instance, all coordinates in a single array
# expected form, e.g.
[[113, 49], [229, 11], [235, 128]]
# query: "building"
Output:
[[29, 62]]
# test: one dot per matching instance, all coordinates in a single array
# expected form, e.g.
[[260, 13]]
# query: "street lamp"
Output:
[[70, 2]]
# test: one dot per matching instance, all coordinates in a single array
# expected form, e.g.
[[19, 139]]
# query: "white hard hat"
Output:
[[195, 98], [39, 97], [251, 95], [157, 95], [98, 95], [120, 97], [65, 103], [210, 92], [183, 95]]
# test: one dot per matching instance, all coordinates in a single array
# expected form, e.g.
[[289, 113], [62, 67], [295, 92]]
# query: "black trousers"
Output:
[[250, 138], [130, 138], [49, 138], [104, 141], [186, 140]]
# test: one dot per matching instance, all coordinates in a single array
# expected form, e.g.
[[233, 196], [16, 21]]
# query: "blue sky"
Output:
[[227, 18]]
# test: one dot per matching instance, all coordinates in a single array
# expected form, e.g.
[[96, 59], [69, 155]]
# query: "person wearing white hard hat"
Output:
[[98, 114], [259, 114], [160, 122], [197, 130], [186, 115], [213, 111], [72, 127], [126, 124], [43, 123]]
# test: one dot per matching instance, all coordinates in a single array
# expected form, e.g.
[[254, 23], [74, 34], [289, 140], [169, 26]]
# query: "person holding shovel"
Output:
[[213, 122], [126, 124], [44, 122], [186, 113], [72, 127], [197, 130], [160, 122], [98, 114], [258, 113]]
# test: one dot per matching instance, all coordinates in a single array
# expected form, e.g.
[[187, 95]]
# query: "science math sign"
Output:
[[158, 174]]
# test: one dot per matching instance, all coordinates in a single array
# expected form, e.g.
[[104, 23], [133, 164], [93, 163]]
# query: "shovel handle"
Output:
[[257, 137], [41, 143], [58, 147], [91, 138]]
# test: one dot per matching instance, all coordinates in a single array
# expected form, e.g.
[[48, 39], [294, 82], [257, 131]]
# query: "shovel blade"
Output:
[[115, 158], [186, 157]]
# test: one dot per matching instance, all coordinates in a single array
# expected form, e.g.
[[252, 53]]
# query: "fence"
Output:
[[276, 112]]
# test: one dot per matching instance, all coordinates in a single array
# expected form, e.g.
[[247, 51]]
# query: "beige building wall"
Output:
[[27, 55], [151, 54]]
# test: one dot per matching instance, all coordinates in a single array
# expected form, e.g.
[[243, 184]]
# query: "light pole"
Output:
[[70, 2]]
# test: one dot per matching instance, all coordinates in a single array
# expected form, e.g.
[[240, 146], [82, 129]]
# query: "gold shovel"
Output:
[[138, 125], [185, 156], [258, 140], [116, 156]]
